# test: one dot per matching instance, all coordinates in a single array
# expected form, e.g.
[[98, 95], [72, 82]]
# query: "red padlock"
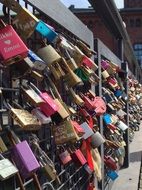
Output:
[[12, 48], [79, 130], [110, 162], [112, 127], [78, 157]]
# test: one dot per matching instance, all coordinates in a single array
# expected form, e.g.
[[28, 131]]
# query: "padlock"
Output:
[[107, 119], [12, 48], [72, 111], [46, 163], [78, 157], [113, 68], [71, 62], [40, 116], [86, 61], [104, 64], [37, 76], [121, 125], [21, 68], [31, 96], [25, 22], [65, 156], [110, 162], [3, 147], [107, 95], [29, 163], [49, 55], [62, 110], [12, 5], [111, 126], [97, 140], [105, 74], [112, 174], [112, 82], [7, 169], [118, 93], [48, 107], [86, 50], [88, 131], [121, 113], [65, 133], [25, 120], [77, 55], [79, 130], [39, 64], [46, 31], [70, 78], [76, 98], [57, 71]]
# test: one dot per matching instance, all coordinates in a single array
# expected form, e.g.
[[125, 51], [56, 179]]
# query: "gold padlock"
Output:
[[56, 70], [25, 23], [31, 96], [70, 78], [86, 50], [77, 55], [62, 111], [36, 75], [21, 68], [49, 55], [72, 64], [3, 147], [25, 120], [76, 98], [12, 5]]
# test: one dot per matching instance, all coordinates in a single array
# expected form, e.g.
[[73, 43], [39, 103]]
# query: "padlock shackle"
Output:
[[2, 24], [1, 156], [35, 88]]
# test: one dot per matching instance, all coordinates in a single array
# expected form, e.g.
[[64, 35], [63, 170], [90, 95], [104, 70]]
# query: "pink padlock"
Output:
[[49, 106], [65, 157], [12, 48], [86, 61]]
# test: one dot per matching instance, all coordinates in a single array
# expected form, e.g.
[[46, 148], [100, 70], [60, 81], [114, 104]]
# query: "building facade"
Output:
[[132, 17]]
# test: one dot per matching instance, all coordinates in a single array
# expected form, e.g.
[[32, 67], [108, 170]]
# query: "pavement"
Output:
[[131, 178]]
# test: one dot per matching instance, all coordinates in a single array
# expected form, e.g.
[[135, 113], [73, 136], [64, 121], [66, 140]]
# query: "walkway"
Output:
[[129, 177]]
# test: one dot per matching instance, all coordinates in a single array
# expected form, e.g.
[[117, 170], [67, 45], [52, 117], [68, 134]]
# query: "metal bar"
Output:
[[64, 17], [126, 134], [99, 93]]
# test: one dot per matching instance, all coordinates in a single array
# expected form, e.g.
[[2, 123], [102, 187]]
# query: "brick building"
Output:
[[132, 17]]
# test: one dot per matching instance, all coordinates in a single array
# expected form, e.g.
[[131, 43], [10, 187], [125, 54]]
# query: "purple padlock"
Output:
[[24, 159], [105, 65]]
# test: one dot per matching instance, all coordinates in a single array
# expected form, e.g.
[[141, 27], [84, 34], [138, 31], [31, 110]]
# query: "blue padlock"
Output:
[[107, 119], [108, 98], [46, 31], [118, 93], [112, 174], [39, 64]]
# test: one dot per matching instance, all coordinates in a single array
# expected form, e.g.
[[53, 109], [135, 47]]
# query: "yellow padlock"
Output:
[[25, 22]]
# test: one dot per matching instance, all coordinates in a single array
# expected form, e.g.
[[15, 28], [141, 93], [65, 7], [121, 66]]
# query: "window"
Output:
[[132, 23], [138, 22], [90, 24], [138, 52]]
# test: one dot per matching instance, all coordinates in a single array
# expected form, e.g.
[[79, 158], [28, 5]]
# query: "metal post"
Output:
[[124, 66], [126, 134], [99, 93]]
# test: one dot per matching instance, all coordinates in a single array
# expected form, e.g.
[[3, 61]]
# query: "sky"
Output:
[[84, 3]]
